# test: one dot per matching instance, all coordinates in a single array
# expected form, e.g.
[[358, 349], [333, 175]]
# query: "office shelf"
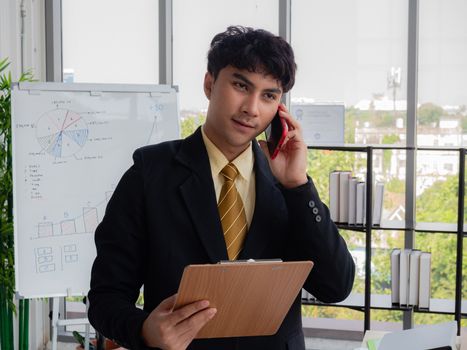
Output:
[[358, 147], [400, 225], [359, 228], [439, 148], [357, 301], [392, 225], [367, 300], [383, 302], [440, 227]]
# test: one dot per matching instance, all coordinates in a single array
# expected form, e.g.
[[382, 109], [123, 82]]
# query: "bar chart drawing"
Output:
[[85, 222], [68, 227], [90, 219], [45, 229]]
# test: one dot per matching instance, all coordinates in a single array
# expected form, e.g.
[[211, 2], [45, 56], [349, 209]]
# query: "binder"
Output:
[[395, 268], [344, 178], [404, 277], [425, 281], [414, 276], [334, 195], [251, 298], [378, 203], [352, 200], [360, 203]]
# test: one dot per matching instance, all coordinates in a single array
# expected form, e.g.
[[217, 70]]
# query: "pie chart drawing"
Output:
[[61, 132]]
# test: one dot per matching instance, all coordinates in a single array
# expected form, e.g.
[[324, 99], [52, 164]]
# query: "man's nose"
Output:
[[251, 105]]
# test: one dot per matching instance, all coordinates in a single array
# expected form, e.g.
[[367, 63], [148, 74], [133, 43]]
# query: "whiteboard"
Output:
[[71, 145]]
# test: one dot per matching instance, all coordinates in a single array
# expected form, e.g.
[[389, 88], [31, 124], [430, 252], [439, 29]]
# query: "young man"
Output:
[[169, 209]]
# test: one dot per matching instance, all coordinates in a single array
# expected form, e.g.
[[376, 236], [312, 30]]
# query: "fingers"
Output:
[[291, 122], [292, 136], [168, 303], [187, 311], [187, 330], [192, 325], [175, 329]]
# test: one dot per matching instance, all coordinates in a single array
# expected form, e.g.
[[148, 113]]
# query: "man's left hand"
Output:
[[289, 166]]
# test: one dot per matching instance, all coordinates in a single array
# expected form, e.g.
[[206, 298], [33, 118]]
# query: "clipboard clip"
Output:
[[248, 261]]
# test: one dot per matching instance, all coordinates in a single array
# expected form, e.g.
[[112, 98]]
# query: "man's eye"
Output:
[[241, 86], [270, 96]]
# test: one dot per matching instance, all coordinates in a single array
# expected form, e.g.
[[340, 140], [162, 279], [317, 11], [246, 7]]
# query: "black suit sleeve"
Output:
[[314, 236], [118, 270]]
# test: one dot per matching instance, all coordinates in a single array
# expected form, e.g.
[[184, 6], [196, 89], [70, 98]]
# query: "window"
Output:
[[449, 167], [110, 41], [437, 179], [442, 112], [358, 56], [443, 275], [195, 24]]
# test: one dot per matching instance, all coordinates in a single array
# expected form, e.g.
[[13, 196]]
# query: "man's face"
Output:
[[241, 106]]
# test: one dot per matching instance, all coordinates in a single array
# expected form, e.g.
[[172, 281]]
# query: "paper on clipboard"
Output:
[[252, 298]]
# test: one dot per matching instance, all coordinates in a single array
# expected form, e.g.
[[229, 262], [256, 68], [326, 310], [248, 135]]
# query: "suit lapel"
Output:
[[268, 197], [199, 196]]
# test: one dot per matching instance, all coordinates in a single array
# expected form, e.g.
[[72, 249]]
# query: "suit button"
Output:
[[311, 204], [318, 218], [315, 210]]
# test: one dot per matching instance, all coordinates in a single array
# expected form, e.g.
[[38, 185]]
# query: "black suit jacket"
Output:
[[163, 216]]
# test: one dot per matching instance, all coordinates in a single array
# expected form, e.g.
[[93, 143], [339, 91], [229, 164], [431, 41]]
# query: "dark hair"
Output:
[[255, 50]]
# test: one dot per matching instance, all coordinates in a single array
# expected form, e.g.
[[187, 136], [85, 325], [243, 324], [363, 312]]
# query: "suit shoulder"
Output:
[[159, 149], [158, 156]]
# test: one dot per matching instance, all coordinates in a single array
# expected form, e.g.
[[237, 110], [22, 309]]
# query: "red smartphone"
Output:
[[275, 134]]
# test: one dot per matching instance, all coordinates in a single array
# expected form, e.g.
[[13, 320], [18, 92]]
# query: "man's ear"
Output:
[[208, 82]]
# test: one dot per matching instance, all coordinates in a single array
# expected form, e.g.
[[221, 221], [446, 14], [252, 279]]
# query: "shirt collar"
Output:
[[244, 161]]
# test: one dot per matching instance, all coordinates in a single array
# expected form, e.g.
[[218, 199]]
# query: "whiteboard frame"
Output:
[[52, 86], [93, 89]]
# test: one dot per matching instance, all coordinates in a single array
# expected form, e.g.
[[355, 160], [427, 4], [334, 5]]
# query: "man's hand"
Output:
[[167, 329], [289, 167]]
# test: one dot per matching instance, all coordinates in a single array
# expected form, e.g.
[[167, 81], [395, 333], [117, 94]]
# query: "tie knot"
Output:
[[230, 172]]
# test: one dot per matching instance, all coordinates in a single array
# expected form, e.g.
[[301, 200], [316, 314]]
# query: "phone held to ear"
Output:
[[275, 135]]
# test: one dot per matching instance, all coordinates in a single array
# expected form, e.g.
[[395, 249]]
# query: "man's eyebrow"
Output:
[[249, 83], [243, 78]]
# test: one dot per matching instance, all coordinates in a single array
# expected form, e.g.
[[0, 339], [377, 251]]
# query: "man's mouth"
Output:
[[242, 123]]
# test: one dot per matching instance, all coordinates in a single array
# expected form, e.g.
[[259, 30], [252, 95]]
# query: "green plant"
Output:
[[7, 272], [429, 113]]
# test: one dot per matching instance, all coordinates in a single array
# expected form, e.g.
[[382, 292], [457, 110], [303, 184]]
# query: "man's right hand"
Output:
[[175, 330]]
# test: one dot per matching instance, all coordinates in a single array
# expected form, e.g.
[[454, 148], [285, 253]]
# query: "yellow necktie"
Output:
[[232, 213]]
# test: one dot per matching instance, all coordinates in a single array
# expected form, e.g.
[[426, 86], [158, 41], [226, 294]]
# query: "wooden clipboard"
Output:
[[252, 298]]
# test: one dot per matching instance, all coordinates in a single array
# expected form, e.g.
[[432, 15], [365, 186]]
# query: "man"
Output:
[[169, 209]]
